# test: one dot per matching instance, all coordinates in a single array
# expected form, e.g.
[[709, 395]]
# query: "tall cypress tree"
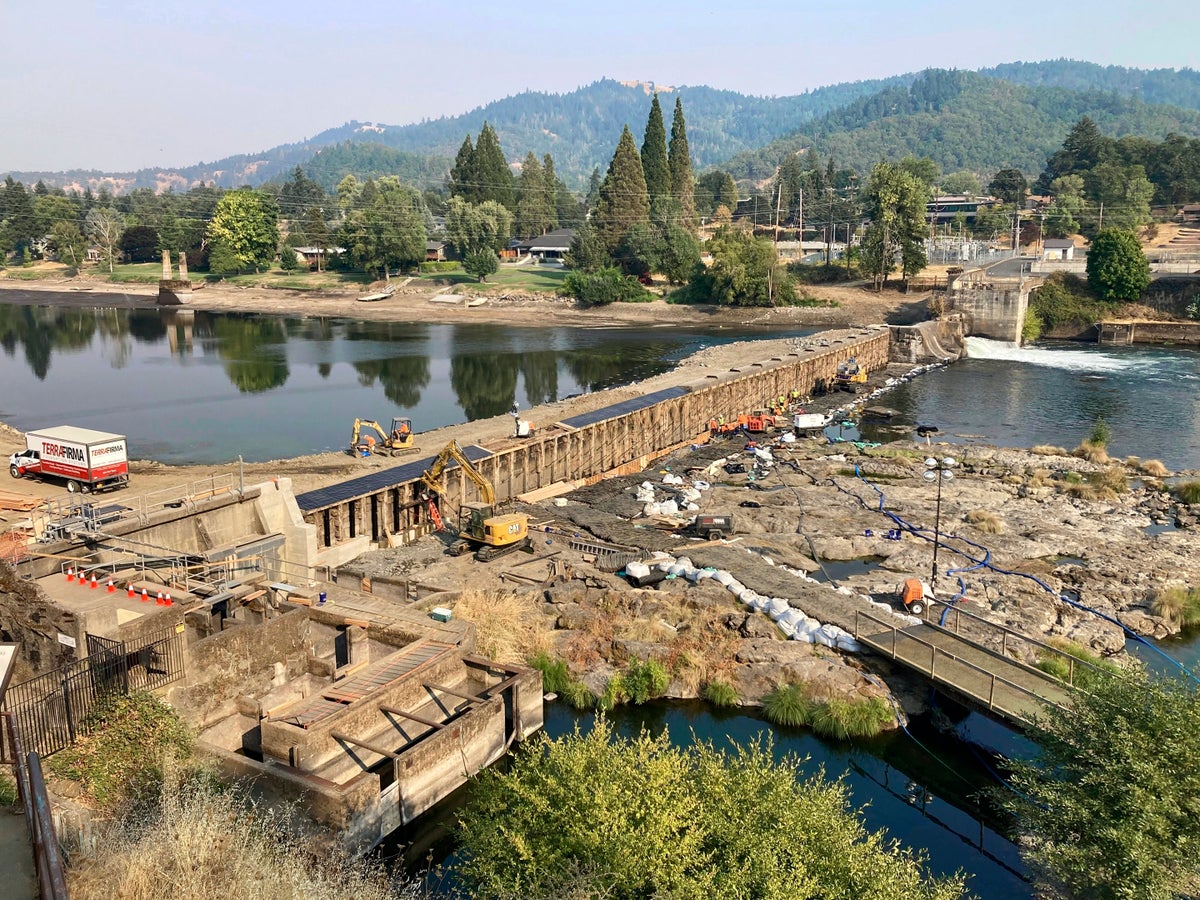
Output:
[[623, 200], [495, 177], [552, 190], [464, 175], [679, 161], [535, 204], [654, 154]]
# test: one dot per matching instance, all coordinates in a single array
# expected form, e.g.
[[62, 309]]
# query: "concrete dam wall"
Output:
[[621, 438]]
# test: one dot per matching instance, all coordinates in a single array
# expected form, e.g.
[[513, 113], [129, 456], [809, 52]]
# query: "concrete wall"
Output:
[[935, 341], [244, 661], [1148, 332], [590, 452], [992, 312]]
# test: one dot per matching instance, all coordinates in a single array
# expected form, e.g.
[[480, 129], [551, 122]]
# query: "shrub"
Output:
[[1178, 605], [614, 693], [1065, 299], [608, 285], [721, 694], [844, 719], [1188, 492], [129, 741], [481, 263], [645, 680], [986, 521], [788, 705], [1154, 468], [555, 675], [1101, 433], [577, 695], [440, 266]]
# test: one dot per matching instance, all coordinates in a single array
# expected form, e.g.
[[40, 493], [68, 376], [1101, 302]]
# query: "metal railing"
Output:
[[1009, 639], [61, 517], [992, 679], [52, 710], [31, 791]]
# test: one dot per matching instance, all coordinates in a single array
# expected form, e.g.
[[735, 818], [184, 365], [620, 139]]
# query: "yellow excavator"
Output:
[[397, 439], [480, 528], [850, 375]]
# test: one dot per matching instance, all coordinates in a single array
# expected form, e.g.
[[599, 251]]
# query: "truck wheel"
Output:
[[715, 535], [916, 608], [14, 471], [72, 486]]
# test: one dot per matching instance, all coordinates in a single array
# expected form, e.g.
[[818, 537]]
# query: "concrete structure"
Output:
[[992, 310], [174, 291], [1147, 331], [582, 452]]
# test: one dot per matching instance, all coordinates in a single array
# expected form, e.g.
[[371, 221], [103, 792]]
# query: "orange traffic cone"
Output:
[[145, 596], [70, 573], [167, 600], [95, 584], [131, 592], [159, 601], [111, 587]]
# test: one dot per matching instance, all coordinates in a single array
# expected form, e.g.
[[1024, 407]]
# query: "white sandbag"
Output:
[[677, 570], [652, 509], [694, 575], [848, 644], [722, 577], [692, 507], [809, 627], [664, 565], [672, 479], [777, 607], [768, 560], [735, 587], [689, 495], [820, 637], [701, 485], [757, 602], [645, 494], [661, 554], [702, 574], [787, 437], [685, 562], [637, 570], [791, 617], [801, 635], [668, 508]]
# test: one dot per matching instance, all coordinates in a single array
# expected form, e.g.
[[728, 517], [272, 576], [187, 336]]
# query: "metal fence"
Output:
[[54, 709]]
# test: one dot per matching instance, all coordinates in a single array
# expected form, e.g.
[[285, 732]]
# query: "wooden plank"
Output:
[[408, 715]]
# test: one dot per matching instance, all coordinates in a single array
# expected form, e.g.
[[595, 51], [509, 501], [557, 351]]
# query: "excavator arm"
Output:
[[432, 477], [360, 424]]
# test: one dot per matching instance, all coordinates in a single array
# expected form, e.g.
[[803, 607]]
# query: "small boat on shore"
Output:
[[378, 295]]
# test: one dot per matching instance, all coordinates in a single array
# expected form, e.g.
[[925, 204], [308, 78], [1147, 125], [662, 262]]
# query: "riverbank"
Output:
[[428, 303]]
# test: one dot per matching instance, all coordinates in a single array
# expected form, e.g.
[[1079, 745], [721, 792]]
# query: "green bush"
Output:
[[448, 265], [1101, 433], [1188, 492], [1065, 299], [555, 675], [128, 742], [788, 705], [844, 719], [577, 695], [603, 287], [1060, 667], [645, 680], [614, 694], [721, 694]]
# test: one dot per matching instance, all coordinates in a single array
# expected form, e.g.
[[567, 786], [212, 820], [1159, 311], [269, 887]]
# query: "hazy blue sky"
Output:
[[123, 84]]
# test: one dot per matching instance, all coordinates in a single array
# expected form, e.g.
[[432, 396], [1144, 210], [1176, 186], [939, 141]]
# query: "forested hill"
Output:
[[1170, 86], [580, 129], [965, 121]]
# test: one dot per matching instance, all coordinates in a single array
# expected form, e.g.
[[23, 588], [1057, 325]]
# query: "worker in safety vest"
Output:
[[795, 395]]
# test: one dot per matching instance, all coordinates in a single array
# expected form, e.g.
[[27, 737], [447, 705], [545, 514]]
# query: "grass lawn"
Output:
[[525, 278]]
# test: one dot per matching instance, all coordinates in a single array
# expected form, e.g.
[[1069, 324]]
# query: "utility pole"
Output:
[[829, 243], [800, 230], [778, 204], [1100, 224]]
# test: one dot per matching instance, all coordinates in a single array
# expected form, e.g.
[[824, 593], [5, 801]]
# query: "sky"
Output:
[[124, 85]]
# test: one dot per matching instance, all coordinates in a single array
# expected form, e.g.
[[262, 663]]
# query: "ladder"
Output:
[[435, 515]]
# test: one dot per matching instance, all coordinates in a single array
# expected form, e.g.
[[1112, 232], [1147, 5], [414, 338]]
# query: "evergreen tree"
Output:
[[592, 197], [587, 252], [654, 155], [623, 200], [679, 163], [535, 200], [560, 198], [495, 179], [464, 175]]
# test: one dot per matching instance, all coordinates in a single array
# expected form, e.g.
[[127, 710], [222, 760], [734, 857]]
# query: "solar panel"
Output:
[[377, 481], [625, 406]]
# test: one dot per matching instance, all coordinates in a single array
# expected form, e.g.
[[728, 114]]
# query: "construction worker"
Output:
[[795, 395]]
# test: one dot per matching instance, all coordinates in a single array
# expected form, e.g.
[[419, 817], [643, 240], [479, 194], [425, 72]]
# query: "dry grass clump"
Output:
[[1038, 477], [204, 845], [986, 521], [1154, 468], [1178, 605], [1048, 450], [1107, 484], [509, 626], [1092, 452]]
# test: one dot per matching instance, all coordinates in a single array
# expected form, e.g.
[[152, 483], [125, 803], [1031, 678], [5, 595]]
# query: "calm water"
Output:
[[1053, 393], [196, 387]]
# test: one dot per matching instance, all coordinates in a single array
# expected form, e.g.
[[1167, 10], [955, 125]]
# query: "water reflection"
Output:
[[195, 386]]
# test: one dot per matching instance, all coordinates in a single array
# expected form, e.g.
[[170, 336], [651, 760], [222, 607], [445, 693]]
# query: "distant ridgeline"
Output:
[[1012, 115]]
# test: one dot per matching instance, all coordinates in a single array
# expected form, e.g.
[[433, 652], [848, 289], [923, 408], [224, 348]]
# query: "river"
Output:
[[203, 387], [199, 387]]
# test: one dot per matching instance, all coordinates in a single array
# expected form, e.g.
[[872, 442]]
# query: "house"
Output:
[[435, 251], [1058, 248], [1190, 214], [312, 254], [552, 245], [942, 209]]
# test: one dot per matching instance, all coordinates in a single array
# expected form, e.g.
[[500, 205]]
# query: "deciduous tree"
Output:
[[481, 263], [105, 226], [244, 231], [1117, 269], [745, 271], [473, 227], [896, 205]]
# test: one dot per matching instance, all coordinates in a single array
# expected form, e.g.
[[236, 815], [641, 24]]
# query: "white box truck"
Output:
[[86, 459]]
